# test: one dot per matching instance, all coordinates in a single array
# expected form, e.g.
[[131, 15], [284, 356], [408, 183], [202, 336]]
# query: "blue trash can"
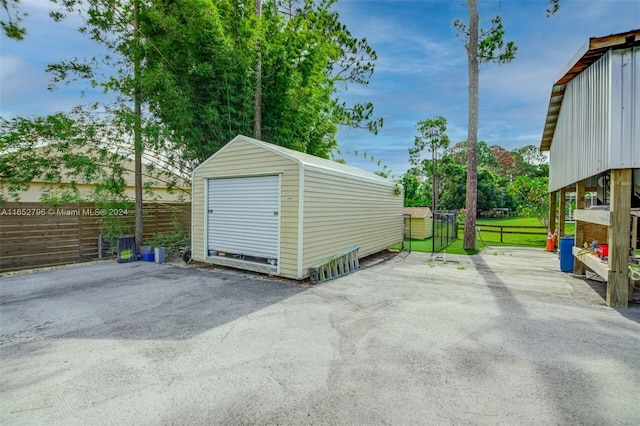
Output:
[[566, 256]]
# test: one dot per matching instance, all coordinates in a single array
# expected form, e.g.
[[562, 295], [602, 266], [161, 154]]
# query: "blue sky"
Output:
[[421, 70]]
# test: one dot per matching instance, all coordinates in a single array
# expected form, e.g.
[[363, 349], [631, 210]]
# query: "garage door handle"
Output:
[[275, 213]]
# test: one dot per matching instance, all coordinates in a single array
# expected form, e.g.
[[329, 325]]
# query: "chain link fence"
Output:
[[445, 229]]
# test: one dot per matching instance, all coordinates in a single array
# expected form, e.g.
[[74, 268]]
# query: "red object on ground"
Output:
[[550, 243], [602, 250]]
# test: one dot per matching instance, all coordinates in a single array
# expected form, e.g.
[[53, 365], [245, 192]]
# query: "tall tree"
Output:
[[530, 197], [116, 26], [11, 24], [491, 185], [188, 66], [137, 122], [312, 57], [200, 63], [102, 17], [64, 150], [415, 192], [528, 160], [257, 118], [306, 56], [482, 47], [472, 128], [433, 135], [503, 161]]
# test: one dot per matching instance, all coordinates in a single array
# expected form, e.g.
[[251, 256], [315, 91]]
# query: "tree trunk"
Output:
[[257, 117], [137, 127], [472, 138]]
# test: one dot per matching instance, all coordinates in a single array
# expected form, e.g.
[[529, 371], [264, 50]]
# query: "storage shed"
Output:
[[592, 133], [418, 222], [265, 208]]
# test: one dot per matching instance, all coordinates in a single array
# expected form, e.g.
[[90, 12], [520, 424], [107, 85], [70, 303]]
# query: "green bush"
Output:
[[172, 241]]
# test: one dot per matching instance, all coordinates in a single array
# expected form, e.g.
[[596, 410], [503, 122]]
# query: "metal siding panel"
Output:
[[625, 144], [241, 158], [241, 217], [198, 209], [634, 133], [341, 212], [581, 143], [203, 203], [300, 229], [617, 115], [630, 116]]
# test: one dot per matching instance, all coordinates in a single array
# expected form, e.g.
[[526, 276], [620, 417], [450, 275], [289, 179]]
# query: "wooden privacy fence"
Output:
[[37, 234]]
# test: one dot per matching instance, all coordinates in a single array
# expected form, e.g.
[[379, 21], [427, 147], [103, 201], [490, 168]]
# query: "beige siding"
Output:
[[428, 226], [155, 186], [343, 206], [341, 211], [160, 194], [421, 228], [243, 158]]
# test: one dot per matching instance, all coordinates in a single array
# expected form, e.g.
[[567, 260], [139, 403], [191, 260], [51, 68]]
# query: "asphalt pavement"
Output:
[[500, 338]]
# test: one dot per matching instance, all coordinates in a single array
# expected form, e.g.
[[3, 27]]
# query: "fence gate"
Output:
[[445, 229], [406, 240]]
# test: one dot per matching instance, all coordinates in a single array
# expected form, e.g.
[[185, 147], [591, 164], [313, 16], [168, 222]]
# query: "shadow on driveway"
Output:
[[137, 300], [567, 354]]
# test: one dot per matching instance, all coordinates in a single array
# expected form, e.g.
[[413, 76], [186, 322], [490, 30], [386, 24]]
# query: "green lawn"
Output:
[[417, 245], [489, 236]]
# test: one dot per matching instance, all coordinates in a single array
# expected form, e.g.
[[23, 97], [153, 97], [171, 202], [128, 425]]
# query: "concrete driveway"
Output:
[[498, 338]]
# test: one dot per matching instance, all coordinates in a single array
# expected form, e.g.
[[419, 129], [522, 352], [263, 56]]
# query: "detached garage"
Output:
[[265, 208]]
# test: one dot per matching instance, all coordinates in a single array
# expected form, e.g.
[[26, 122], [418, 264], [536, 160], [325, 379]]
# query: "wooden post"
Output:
[[618, 239], [78, 209], [634, 230], [552, 211], [578, 267], [562, 208]]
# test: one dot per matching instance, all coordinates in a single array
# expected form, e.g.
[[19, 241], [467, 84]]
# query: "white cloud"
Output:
[[10, 63], [421, 71]]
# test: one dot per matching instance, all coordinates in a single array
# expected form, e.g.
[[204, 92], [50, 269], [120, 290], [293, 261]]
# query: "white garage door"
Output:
[[243, 216]]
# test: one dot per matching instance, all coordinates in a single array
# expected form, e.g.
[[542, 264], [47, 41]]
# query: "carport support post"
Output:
[[552, 211], [578, 267], [618, 239], [563, 211]]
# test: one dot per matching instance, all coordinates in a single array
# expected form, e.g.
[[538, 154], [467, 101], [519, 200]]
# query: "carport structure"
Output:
[[592, 133]]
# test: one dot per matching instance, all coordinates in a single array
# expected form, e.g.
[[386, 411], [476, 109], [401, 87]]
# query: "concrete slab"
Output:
[[498, 338]]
